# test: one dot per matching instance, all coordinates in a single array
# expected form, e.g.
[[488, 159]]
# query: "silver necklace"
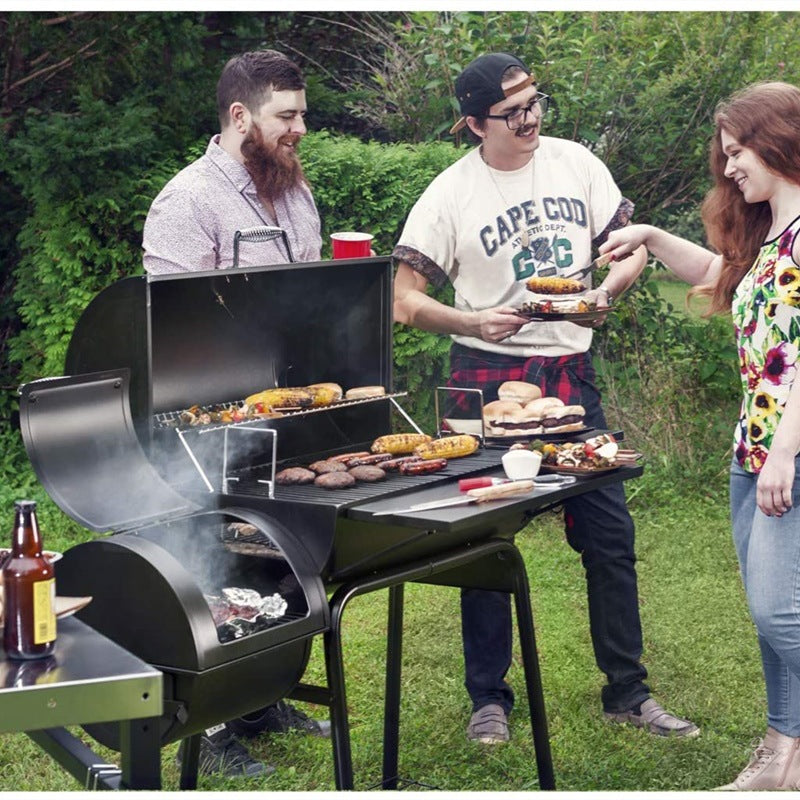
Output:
[[524, 238]]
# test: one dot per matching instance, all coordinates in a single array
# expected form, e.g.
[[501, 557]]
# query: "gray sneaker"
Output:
[[489, 725], [653, 718]]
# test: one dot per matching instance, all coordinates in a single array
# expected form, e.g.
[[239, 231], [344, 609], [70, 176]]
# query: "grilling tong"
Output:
[[600, 261], [502, 491]]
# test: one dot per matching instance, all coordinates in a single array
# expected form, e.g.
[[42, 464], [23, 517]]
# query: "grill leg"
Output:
[[190, 761], [533, 678], [391, 714], [334, 667], [141, 742]]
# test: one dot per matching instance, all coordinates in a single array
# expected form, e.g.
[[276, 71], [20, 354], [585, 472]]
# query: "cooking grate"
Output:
[[241, 537], [247, 482], [174, 419]]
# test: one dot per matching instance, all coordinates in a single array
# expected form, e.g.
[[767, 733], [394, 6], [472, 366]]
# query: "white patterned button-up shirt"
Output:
[[192, 222]]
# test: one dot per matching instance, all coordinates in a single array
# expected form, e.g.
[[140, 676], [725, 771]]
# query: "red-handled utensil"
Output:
[[465, 484]]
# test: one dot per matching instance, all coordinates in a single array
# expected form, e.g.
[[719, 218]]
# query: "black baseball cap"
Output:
[[478, 86]]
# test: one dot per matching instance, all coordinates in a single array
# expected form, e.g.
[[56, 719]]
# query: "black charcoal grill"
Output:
[[110, 446]]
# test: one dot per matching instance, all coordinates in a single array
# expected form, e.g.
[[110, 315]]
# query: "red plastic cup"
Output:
[[351, 244]]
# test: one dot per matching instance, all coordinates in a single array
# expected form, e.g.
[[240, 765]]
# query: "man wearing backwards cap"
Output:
[[519, 205]]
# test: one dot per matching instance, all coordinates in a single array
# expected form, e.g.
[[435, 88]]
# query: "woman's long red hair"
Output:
[[764, 117]]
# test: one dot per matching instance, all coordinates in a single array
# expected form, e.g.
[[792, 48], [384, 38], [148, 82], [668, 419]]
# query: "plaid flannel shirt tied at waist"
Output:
[[566, 377]]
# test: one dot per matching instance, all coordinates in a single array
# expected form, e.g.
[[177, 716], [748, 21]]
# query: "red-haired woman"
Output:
[[752, 218]]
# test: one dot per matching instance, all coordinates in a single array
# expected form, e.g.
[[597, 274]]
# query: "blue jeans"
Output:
[[768, 549], [599, 527]]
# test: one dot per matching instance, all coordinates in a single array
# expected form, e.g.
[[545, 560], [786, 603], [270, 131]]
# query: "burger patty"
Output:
[[569, 419], [335, 480], [513, 425], [328, 465], [292, 476], [367, 473]]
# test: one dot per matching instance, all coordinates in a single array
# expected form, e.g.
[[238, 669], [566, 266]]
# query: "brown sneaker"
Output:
[[489, 725], [775, 764], [655, 719]]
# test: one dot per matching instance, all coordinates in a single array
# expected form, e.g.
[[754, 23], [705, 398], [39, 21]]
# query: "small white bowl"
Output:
[[520, 465]]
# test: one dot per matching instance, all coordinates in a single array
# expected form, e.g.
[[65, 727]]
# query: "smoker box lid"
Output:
[[80, 438]]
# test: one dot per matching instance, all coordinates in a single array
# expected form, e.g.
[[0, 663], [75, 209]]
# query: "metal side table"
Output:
[[88, 679]]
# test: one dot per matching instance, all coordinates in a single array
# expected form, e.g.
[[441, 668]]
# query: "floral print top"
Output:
[[766, 319]]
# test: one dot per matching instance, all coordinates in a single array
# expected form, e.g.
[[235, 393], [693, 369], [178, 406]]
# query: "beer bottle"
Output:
[[29, 589]]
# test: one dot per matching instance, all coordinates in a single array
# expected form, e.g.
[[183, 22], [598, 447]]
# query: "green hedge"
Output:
[[75, 242]]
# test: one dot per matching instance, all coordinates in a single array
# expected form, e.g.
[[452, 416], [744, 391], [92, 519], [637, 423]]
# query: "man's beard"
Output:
[[274, 169]]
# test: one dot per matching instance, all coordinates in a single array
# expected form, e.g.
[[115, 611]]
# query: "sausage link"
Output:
[[423, 467], [364, 461], [395, 463], [348, 456]]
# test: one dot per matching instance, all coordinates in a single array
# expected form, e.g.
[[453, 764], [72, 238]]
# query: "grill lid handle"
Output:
[[261, 233]]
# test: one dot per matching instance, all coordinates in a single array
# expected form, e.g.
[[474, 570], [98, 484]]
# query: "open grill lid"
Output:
[[213, 337], [83, 447]]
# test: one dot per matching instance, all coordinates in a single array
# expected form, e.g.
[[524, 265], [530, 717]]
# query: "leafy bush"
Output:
[[670, 381]]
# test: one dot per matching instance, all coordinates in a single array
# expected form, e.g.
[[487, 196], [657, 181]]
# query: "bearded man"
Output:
[[249, 176]]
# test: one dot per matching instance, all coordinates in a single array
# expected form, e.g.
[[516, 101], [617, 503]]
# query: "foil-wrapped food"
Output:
[[239, 612]]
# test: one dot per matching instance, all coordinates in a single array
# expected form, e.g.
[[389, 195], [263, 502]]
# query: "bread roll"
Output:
[[501, 410], [361, 392], [543, 405], [565, 418], [505, 418], [518, 392]]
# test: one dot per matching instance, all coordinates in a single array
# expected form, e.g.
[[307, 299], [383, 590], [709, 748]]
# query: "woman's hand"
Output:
[[775, 482], [623, 241]]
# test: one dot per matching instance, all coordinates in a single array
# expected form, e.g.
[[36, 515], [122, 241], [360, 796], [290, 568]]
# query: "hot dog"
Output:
[[423, 467], [396, 463], [364, 461], [345, 457]]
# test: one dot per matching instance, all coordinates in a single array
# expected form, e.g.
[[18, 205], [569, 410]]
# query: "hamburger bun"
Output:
[[574, 426], [362, 392], [501, 410], [506, 418], [564, 418], [518, 392], [543, 405]]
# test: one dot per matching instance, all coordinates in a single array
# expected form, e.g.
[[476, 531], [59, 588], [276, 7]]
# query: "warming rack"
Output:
[[172, 419]]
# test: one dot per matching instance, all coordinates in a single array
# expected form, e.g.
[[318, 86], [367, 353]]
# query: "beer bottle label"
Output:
[[44, 617]]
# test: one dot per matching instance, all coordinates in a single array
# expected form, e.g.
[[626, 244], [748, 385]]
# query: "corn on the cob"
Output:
[[399, 443], [325, 393], [448, 447], [281, 398]]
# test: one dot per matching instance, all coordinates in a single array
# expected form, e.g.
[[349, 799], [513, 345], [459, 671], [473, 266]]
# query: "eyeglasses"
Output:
[[516, 118]]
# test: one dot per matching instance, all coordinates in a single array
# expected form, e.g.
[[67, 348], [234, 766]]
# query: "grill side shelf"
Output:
[[484, 515]]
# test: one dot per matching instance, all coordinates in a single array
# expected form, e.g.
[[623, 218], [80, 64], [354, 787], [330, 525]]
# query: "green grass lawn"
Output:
[[674, 291], [700, 649]]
